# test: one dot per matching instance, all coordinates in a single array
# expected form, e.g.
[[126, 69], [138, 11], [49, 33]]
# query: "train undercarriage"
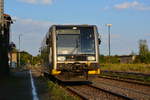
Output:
[[76, 72]]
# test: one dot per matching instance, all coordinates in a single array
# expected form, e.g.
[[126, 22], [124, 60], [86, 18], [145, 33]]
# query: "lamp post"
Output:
[[19, 49], [109, 26]]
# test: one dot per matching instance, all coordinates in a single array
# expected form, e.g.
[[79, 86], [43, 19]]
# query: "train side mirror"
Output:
[[99, 41], [47, 41]]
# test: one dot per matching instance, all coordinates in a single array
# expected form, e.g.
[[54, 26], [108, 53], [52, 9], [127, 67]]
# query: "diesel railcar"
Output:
[[71, 52]]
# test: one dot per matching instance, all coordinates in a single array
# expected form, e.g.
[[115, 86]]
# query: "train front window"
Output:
[[75, 41]]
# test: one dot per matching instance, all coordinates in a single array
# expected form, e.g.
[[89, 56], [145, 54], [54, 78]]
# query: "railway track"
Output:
[[92, 92], [136, 78], [110, 89], [131, 89], [121, 72], [125, 80], [89, 91]]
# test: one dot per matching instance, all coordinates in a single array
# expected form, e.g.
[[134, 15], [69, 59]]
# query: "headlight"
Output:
[[61, 58], [91, 58]]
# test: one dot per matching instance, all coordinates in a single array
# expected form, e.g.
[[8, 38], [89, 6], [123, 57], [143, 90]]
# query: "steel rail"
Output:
[[121, 72], [79, 94], [127, 80], [128, 89], [84, 97], [112, 93]]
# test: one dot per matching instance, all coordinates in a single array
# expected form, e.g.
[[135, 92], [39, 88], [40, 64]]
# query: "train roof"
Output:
[[72, 25]]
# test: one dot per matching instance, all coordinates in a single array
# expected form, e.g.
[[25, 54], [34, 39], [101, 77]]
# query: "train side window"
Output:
[[99, 39]]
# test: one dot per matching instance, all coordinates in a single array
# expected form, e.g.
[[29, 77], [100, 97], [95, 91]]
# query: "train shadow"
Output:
[[75, 83], [68, 82]]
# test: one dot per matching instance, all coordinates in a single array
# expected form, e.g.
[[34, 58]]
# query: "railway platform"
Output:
[[16, 87]]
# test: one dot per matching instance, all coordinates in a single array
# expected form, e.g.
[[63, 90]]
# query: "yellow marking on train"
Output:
[[94, 71], [55, 72]]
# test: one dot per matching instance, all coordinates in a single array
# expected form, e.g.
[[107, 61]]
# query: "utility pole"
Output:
[[109, 26], [19, 50], [2, 16]]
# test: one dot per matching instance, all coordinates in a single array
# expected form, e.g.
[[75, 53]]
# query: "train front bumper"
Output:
[[92, 68]]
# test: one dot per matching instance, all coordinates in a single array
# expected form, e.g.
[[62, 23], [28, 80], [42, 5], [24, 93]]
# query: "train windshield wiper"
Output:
[[75, 50]]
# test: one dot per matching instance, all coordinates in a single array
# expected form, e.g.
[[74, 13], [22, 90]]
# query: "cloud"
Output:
[[147, 34], [32, 22], [37, 1], [46, 1], [126, 5], [132, 5], [32, 31], [106, 8]]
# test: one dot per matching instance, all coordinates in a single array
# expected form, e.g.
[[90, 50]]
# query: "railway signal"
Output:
[[19, 49]]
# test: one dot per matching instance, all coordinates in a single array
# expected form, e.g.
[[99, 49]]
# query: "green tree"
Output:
[[114, 59], [25, 58], [102, 59], [36, 60], [144, 54], [105, 59]]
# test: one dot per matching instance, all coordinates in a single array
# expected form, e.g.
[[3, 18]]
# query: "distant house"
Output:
[[13, 59], [127, 58]]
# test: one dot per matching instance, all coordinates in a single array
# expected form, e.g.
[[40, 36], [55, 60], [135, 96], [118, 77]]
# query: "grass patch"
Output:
[[58, 93], [142, 68], [48, 90]]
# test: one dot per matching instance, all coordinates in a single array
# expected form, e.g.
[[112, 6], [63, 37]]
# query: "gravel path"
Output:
[[95, 94], [135, 91]]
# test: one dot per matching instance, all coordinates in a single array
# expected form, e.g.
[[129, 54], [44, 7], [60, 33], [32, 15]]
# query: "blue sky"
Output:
[[130, 19]]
